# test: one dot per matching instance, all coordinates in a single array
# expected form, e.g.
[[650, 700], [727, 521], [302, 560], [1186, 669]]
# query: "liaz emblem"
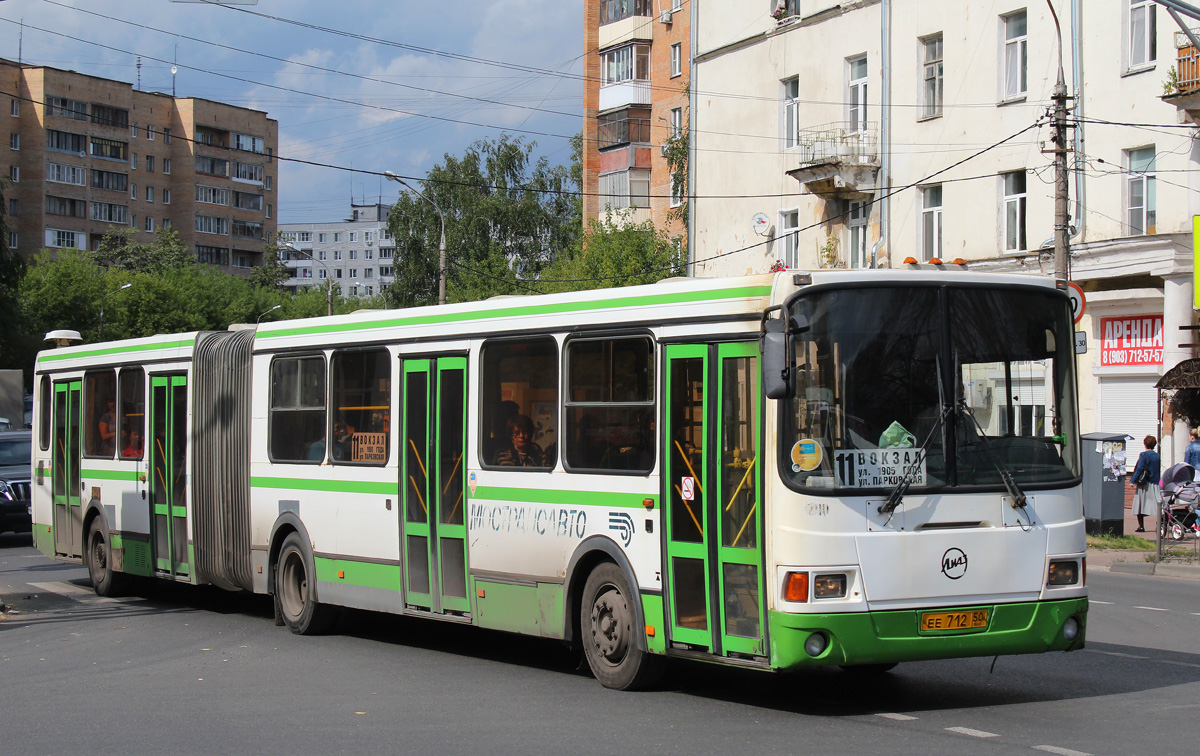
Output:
[[954, 563], [623, 524]]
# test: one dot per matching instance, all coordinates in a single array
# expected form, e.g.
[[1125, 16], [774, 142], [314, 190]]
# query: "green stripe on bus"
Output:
[[572, 498], [336, 486], [361, 574], [54, 356], [109, 474], [526, 310]]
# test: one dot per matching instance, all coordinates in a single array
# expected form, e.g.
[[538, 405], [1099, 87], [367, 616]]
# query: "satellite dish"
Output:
[[761, 224]]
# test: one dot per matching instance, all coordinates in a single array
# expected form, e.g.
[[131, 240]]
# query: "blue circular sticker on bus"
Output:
[[806, 455]]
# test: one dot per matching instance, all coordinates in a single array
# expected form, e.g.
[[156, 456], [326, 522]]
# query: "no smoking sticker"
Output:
[[687, 489]]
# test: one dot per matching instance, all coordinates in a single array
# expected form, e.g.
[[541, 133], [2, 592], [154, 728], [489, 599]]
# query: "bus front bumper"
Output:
[[894, 636]]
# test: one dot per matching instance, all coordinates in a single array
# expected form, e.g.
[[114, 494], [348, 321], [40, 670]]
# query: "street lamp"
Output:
[[328, 280], [273, 309], [390, 176], [122, 287]]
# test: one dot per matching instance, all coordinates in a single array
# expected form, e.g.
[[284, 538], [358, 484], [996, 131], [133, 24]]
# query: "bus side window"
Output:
[[519, 401], [610, 404], [100, 414], [362, 393], [297, 418]]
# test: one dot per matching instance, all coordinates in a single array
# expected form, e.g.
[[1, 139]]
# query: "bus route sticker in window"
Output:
[[876, 468], [369, 447], [806, 455]]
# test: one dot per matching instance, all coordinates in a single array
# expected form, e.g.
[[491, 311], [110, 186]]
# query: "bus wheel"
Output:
[[99, 563], [868, 669], [610, 643], [295, 590]]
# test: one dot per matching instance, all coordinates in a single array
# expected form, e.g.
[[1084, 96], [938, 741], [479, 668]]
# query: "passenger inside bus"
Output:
[[522, 450]]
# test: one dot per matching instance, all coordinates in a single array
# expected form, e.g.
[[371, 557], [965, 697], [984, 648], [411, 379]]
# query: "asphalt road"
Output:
[[186, 670]]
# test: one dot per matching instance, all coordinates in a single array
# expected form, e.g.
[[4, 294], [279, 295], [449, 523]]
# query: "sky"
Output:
[[377, 86]]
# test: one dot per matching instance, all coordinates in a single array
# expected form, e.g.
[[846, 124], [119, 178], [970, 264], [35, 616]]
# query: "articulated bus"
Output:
[[852, 468]]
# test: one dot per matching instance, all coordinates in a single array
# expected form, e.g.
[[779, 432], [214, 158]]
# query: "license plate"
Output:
[[971, 620]]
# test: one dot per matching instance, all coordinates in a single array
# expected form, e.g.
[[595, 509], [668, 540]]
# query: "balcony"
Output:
[[836, 159], [1186, 96]]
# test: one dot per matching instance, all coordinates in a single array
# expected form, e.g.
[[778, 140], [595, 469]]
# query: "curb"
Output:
[[1187, 571]]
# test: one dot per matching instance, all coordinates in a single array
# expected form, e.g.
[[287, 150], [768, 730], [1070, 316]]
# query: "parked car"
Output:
[[15, 473]]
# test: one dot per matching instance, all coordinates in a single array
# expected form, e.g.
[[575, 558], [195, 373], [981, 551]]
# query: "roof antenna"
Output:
[[139, 68], [174, 69]]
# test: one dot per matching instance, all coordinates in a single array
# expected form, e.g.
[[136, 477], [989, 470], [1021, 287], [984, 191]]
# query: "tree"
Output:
[[119, 250], [507, 216], [14, 338], [616, 252], [272, 273]]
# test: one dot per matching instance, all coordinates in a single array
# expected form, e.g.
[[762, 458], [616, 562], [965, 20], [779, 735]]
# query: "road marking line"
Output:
[[973, 733], [1116, 653], [1196, 614], [897, 717], [72, 591], [1094, 601], [1178, 663], [1152, 608], [1060, 751]]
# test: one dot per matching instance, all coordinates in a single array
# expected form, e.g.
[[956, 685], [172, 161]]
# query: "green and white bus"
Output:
[[851, 468]]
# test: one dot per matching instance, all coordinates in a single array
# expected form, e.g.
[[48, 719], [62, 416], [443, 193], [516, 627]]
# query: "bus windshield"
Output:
[[945, 385]]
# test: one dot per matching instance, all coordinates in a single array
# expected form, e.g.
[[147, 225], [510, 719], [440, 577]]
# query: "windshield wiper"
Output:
[[897, 495], [1010, 483]]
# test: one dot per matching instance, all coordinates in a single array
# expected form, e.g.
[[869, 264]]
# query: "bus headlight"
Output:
[[816, 644], [1063, 572], [1071, 629], [829, 586]]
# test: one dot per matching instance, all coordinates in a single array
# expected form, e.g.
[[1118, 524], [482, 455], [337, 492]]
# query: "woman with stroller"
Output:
[[1147, 496]]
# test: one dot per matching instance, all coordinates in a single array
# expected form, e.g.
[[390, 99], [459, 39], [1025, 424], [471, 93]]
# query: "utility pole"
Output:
[[1062, 226]]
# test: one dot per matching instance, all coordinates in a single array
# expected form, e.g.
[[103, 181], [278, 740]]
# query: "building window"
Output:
[[268, 209], [1014, 211], [149, 194], [931, 91], [791, 111], [117, 182], [62, 239], [109, 148], [931, 222], [133, 161], [150, 132], [212, 166], [337, 237], [353, 236], [1140, 191], [322, 274], [109, 116], [12, 207], [628, 63], [247, 201], [12, 239], [368, 254], [212, 255], [618, 10], [14, 141], [14, 108], [248, 172], [65, 108], [676, 59], [353, 254], [354, 272], [321, 254], [856, 93], [386, 253], [622, 127], [166, 223], [368, 236], [247, 229], [133, 130], [625, 189], [109, 212], [66, 174], [208, 224], [166, 196], [248, 143], [166, 136], [14, 173], [856, 226], [166, 165], [321, 238], [1016, 56], [267, 183], [337, 254], [65, 141], [1143, 49], [789, 236], [304, 236], [149, 223], [212, 195], [369, 273], [72, 208], [133, 191], [150, 163]]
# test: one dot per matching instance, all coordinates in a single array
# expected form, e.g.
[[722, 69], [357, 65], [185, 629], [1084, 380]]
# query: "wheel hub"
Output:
[[610, 615]]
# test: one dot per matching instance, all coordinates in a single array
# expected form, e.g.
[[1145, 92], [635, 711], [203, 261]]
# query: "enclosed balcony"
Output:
[[1185, 95], [838, 160]]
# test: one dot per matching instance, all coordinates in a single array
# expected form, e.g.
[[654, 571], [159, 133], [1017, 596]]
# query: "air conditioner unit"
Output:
[[665, 16], [370, 243]]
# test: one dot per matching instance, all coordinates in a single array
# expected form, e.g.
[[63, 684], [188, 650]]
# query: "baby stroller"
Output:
[[1181, 499]]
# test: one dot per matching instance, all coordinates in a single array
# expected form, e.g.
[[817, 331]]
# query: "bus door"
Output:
[[713, 480], [68, 504], [168, 474], [434, 544]]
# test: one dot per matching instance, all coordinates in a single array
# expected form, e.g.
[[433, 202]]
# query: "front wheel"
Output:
[[295, 590], [610, 641], [99, 562], [1176, 531]]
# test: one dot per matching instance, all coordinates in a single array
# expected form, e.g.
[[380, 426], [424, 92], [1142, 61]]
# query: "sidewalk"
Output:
[[1133, 562]]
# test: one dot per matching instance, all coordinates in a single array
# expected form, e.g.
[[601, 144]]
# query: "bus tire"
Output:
[[606, 628], [98, 554], [296, 590]]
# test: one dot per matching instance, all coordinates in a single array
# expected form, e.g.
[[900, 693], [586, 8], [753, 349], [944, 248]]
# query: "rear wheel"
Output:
[[610, 640], [99, 562], [295, 590]]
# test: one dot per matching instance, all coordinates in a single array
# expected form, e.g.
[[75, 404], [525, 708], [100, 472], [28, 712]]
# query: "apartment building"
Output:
[[636, 70], [356, 254], [869, 132], [87, 155]]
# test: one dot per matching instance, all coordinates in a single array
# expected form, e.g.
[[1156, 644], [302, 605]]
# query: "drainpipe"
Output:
[[885, 132], [1080, 216], [691, 171]]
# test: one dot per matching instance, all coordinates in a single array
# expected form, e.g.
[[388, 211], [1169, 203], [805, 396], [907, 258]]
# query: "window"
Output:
[[109, 149], [622, 127], [856, 227], [64, 108], [149, 194], [676, 123], [386, 253], [66, 174], [322, 274], [208, 224], [856, 93], [337, 254], [368, 236], [14, 173], [65, 141], [131, 401], [166, 223], [14, 108], [304, 236], [12, 239], [353, 254], [248, 172], [321, 255], [166, 136], [1140, 191], [625, 189], [297, 416], [150, 132], [212, 166], [609, 405], [212, 255], [247, 229], [353, 236], [247, 201], [166, 165], [133, 130], [241, 260], [368, 253], [133, 191], [248, 143], [13, 207], [110, 116], [166, 196], [14, 141], [337, 237], [109, 180], [1143, 48], [1014, 211], [267, 183], [268, 209], [149, 223], [150, 163], [339, 273], [386, 270], [931, 91], [354, 272], [361, 383], [71, 208], [628, 63], [369, 273], [60, 239], [321, 238], [1016, 56], [617, 10], [212, 195], [676, 59], [109, 212], [99, 412], [133, 161], [789, 223], [931, 222], [520, 403]]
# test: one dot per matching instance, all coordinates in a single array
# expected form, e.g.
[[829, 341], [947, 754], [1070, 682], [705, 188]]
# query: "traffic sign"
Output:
[[1078, 301]]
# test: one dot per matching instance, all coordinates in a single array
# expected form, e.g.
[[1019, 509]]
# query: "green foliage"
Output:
[[14, 346], [272, 273], [677, 164], [120, 250], [506, 217], [1171, 85], [616, 252]]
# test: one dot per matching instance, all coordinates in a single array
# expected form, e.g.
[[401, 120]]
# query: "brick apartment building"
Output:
[[87, 155], [635, 98]]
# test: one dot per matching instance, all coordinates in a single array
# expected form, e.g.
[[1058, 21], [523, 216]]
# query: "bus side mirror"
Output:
[[776, 372]]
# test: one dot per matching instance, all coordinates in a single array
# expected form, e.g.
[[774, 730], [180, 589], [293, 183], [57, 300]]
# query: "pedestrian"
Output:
[[1191, 455], [1147, 497]]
